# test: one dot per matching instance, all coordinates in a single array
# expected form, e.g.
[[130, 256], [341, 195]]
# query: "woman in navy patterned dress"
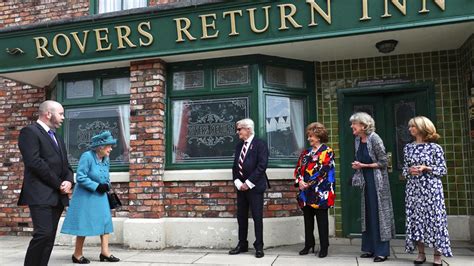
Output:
[[423, 168]]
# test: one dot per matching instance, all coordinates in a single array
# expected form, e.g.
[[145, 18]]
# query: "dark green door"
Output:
[[391, 110]]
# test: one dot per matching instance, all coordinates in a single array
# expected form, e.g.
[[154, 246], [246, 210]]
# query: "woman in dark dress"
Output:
[[378, 225]]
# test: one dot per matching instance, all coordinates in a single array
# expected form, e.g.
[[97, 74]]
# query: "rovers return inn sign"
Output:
[[233, 24]]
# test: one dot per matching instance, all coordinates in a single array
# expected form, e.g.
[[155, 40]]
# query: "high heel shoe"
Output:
[[420, 261], [323, 252], [81, 260], [306, 249], [110, 258], [437, 264]]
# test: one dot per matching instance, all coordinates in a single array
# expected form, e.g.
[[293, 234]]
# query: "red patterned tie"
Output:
[[242, 157]]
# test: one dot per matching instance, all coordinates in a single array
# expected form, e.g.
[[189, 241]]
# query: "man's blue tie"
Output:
[[51, 135]]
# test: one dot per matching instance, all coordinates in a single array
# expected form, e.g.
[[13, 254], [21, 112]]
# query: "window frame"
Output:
[[256, 91], [97, 101], [94, 7]]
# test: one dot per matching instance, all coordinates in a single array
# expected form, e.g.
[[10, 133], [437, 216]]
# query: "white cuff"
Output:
[[238, 183], [249, 184]]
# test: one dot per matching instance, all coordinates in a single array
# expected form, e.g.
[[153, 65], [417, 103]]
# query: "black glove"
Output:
[[102, 188]]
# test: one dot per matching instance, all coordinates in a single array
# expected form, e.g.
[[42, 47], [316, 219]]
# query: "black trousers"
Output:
[[254, 201], [45, 223], [323, 226]]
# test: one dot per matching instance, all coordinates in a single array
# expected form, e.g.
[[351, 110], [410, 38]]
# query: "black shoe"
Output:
[[323, 253], [81, 260], [380, 259], [306, 249], [110, 258], [238, 249], [367, 255], [259, 253], [419, 261]]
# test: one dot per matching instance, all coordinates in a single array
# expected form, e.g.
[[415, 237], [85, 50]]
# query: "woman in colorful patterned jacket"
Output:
[[314, 175], [423, 168], [370, 165]]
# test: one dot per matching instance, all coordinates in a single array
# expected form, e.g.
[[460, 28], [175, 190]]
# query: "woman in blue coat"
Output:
[[89, 212]]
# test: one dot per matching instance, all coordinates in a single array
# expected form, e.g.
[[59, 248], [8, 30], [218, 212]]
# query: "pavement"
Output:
[[342, 251]]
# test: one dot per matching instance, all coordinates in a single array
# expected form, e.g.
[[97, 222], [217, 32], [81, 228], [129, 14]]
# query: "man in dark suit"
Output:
[[48, 179], [250, 179]]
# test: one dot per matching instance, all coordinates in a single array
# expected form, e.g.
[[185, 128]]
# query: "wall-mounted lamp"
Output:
[[386, 46]]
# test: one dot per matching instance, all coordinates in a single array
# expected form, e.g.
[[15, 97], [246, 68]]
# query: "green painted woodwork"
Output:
[[383, 101], [345, 20], [97, 101], [256, 93]]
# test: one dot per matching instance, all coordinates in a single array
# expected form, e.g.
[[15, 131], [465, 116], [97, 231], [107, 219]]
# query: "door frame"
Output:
[[342, 94]]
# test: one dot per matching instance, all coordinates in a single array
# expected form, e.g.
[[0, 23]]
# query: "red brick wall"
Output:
[[147, 139], [218, 199], [18, 106], [13, 13]]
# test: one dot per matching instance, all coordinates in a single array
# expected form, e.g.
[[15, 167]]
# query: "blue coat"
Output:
[[89, 212]]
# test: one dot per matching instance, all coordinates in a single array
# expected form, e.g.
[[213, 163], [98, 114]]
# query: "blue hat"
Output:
[[101, 139]]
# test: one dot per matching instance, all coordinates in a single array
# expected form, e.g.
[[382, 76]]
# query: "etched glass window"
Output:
[[284, 77], [186, 80], [204, 130], [83, 123], [231, 76], [403, 111], [116, 86], [285, 126], [80, 89]]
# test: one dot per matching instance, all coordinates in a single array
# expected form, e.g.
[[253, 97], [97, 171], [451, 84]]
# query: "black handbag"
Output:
[[114, 201]]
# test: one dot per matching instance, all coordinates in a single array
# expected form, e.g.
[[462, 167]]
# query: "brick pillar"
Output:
[[147, 143], [18, 108]]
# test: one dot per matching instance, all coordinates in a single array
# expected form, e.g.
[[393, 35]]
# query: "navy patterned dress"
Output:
[[425, 209]]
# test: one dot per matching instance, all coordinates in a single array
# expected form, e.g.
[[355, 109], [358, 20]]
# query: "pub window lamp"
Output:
[[96, 102], [105, 6], [386, 46]]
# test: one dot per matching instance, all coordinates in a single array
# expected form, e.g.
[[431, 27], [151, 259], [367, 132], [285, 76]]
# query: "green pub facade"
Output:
[[169, 79]]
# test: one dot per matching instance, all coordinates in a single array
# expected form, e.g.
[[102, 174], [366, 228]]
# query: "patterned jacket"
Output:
[[317, 169]]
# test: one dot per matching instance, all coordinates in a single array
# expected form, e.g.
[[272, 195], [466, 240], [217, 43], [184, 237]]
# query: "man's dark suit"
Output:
[[253, 169], [46, 167]]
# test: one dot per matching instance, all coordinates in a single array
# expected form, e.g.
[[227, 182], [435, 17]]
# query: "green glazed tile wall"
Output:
[[442, 68], [467, 74]]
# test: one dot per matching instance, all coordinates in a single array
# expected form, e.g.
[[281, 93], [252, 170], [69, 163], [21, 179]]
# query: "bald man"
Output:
[[48, 179]]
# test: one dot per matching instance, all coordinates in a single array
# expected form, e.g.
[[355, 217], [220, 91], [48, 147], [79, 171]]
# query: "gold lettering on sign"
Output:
[[402, 8], [81, 44], [233, 28], [124, 37], [284, 17], [41, 43], [252, 19], [317, 8], [99, 39], [440, 3], [180, 29], [365, 10], [145, 34], [206, 26], [66, 40]]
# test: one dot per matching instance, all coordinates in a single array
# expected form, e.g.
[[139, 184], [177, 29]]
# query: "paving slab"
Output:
[[314, 260], [247, 258]]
